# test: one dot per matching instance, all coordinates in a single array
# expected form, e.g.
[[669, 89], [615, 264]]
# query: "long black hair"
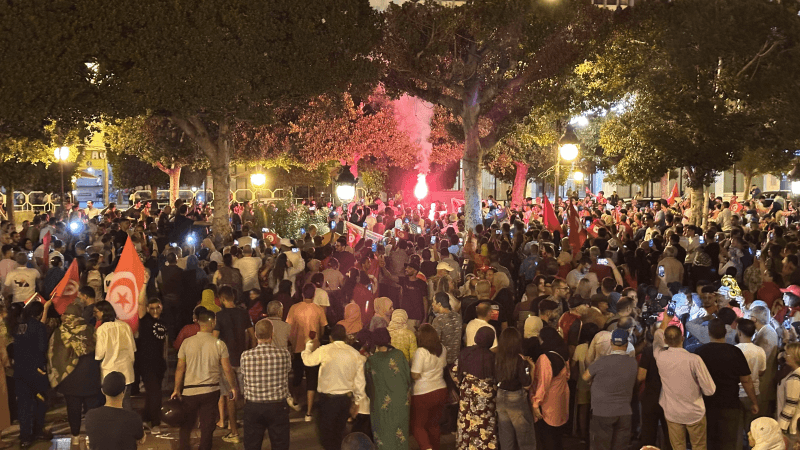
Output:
[[509, 347], [109, 315], [555, 348]]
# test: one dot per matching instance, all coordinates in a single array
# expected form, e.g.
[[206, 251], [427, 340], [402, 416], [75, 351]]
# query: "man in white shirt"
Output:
[[341, 384], [21, 282], [582, 271], [724, 218], [756, 360], [116, 349], [483, 313], [91, 211], [333, 276], [8, 263], [248, 265]]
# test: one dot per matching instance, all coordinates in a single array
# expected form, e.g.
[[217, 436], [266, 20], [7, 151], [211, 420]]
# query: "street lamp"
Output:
[[578, 176], [567, 150], [345, 184], [258, 179], [61, 154]]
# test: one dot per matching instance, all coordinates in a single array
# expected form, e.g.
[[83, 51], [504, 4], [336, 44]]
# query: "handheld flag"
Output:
[[577, 235], [550, 220], [674, 195], [127, 282], [353, 234], [67, 290]]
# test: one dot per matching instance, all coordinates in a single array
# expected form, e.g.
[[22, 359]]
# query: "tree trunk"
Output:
[[748, 181], [473, 159], [698, 201], [10, 202], [153, 193], [520, 183], [174, 174]]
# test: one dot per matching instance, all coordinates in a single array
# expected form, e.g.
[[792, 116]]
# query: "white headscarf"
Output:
[[767, 434]]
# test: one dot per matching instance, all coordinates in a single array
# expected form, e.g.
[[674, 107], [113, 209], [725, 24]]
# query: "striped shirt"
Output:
[[265, 371], [788, 398]]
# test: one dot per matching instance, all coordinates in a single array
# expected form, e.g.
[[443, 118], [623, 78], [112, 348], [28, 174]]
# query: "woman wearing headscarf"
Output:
[[474, 373], [74, 372], [352, 320], [383, 313], [549, 392], [388, 383], [403, 338], [765, 434]]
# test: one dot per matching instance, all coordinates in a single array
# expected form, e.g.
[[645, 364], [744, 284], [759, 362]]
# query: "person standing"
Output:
[[474, 373], [265, 384], [341, 384], [613, 377], [684, 381], [728, 367], [304, 319], [202, 359], [115, 346], [235, 329], [514, 417], [30, 379], [150, 358], [388, 382], [73, 370], [430, 390], [549, 392], [756, 361], [112, 426]]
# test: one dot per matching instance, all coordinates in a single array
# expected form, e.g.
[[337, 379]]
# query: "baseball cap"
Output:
[[113, 384], [619, 337], [413, 264], [793, 289], [444, 266]]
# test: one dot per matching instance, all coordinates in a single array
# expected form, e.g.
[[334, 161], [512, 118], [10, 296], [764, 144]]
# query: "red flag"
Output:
[[675, 194], [127, 282], [550, 220], [402, 234], [46, 246], [272, 238], [577, 235], [353, 234], [67, 290]]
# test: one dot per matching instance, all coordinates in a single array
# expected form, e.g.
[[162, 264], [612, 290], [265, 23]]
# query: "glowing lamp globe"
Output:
[[61, 153], [345, 192], [577, 176], [569, 152], [421, 189], [258, 179], [568, 145], [346, 184]]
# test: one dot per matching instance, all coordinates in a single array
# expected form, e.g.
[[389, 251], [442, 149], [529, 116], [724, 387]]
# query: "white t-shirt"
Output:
[[472, 329], [756, 360], [321, 298], [431, 370], [22, 281], [248, 266]]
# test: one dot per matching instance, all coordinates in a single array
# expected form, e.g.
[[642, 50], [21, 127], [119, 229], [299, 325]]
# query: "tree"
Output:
[[762, 161], [209, 66], [477, 60], [155, 140], [131, 171], [700, 96]]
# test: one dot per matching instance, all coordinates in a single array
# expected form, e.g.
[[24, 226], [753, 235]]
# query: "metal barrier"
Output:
[[34, 200]]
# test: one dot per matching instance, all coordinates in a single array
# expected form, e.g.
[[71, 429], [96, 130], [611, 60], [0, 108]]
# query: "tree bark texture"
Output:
[[520, 183], [473, 159], [174, 174]]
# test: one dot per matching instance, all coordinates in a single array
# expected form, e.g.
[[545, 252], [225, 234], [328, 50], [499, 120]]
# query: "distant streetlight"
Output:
[[258, 179], [346, 184], [578, 176], [567, 150], [61, 154]]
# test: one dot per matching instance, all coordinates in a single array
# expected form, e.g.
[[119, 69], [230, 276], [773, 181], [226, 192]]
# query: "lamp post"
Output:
[[61, 154], [345, 184], [567, 150]]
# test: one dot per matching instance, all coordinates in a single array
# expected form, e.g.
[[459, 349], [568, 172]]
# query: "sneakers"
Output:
[[292, 404], [232, 438], [308, 418], [155, 430], [75, 441]]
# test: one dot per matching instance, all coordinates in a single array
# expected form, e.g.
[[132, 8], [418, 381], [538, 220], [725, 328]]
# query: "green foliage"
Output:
[[130, 171], [374, 180], [724, 83], [153, 139], [286, 218]]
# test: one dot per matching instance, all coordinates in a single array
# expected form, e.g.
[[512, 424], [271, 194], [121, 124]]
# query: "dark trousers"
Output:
[[270, 417], [723, 427], [363, 424], [30, 411], [610, 433], [426, 411], [204, 406], [171, 316], [152, 397], [333, 413], [652, 413], [549, 436], [75, 407]]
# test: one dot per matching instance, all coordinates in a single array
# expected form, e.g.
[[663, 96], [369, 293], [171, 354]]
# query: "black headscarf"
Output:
[[478, 360], [554, 347]]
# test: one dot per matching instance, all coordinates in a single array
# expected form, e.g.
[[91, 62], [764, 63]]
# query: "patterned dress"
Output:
[[388, 383], [477, 422]]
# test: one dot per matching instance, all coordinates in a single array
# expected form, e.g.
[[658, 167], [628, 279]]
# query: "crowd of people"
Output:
[[629, 325]]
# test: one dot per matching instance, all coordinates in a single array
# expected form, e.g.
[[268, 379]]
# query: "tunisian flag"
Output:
[[353, 234], [126, 283], [675, 194], [577, 235], [550, 220], [67, 290]]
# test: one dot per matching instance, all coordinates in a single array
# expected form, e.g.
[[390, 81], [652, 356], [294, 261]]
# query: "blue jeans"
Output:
[[31, 410], [515, 420]]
